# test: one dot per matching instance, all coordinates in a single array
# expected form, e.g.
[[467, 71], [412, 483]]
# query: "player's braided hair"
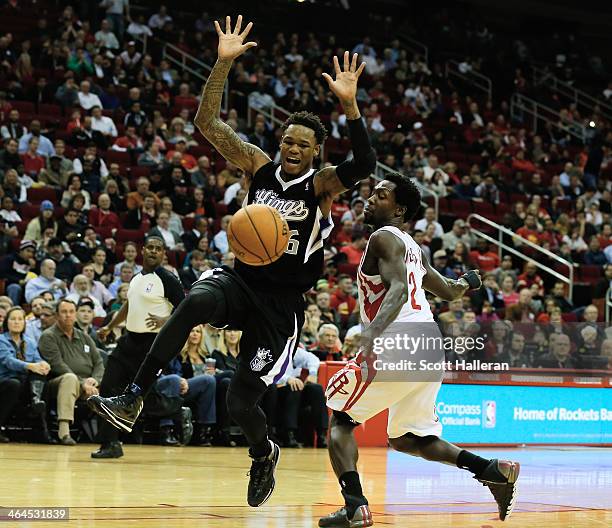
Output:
[[308, 120], [406, 194]]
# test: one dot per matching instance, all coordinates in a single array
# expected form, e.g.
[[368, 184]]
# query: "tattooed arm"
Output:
[[244, 155]]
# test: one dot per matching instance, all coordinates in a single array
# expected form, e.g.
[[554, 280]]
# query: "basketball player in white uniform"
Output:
[[393, 276]]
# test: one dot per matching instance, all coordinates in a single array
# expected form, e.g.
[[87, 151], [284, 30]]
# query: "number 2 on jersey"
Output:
[[292, 246], [412, 281]]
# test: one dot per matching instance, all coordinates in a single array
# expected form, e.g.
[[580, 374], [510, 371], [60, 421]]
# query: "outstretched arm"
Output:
[[244, 155], [449, 289], [332, 181]]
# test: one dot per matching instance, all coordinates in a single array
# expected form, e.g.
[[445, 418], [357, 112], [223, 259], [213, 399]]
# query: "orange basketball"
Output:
[[258, 235]]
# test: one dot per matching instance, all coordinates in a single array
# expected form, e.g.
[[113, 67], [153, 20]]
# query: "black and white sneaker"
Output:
[[120, 411], [500, 476], [261, 477]]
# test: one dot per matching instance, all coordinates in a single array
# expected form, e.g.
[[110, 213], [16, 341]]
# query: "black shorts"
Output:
[[270, 322]]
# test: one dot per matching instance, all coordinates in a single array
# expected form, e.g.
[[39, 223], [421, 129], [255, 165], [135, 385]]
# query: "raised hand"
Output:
[[345, 85], [231, 42]]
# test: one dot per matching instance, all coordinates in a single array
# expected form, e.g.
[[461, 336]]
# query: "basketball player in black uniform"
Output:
[[265, 302]]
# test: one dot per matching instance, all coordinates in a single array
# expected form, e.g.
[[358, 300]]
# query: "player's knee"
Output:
[[406, 444]]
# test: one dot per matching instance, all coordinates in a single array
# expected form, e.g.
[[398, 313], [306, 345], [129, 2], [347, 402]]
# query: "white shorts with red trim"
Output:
[[412, 405]]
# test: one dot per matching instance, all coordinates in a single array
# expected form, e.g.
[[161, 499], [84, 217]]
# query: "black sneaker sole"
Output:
[[273, 479], [103, 411]]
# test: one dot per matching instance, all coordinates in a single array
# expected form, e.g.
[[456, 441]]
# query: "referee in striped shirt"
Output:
[[152, 296]]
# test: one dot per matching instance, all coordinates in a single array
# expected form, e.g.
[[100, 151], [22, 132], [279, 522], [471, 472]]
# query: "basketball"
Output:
[[258, 235]]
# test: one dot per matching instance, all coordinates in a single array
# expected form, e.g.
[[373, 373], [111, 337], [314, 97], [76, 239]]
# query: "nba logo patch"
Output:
[[149, 288], [490, 414]]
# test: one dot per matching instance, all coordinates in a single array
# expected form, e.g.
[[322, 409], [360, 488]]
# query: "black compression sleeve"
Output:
[[364, 157]]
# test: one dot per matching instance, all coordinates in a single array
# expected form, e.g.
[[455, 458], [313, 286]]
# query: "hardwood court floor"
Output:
[[191, 487]]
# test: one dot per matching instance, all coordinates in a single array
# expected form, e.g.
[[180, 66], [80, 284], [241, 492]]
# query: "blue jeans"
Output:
[[202, 390], [14, 291]]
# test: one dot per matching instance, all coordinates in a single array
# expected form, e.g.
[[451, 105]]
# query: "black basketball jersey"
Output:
[[302, 263]]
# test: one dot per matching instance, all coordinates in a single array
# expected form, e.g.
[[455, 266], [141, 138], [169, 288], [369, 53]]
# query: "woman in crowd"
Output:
[[197, 386], [508, 291], [13, 188], [101, 269], [116, 197], [174, 223], [44, 221], [22, 371], [226, 363], [75, 186], [459, 261]]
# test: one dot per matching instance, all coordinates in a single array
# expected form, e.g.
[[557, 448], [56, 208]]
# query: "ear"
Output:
[[317, 151], [400, 211]]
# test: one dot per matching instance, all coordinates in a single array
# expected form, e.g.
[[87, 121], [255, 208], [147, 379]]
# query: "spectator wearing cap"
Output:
[[65, 262], [15, 267], [85, 315], [429, 218], [182, 203], [131, 57], [46, 281], [76, 365], [188, 162], [57, 171], [355, 250], [483, 258], [440, 264], [45, 147], [356, 210], [37, 226], [81, 289]]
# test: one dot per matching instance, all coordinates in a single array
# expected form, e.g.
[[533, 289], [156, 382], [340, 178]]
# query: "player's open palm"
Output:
[[345, 84], [231, 43]]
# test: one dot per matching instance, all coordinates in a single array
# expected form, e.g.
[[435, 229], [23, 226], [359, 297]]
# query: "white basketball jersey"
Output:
[[372, 291]]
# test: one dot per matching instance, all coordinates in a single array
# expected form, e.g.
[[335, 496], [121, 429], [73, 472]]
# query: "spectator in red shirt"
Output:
[[130, 142], [529, 229], [188, 162], [519, 163], [102, 216], [344, 235], [355, 250], [33, 163], [483, 258], [342, 300], [530, 277]]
